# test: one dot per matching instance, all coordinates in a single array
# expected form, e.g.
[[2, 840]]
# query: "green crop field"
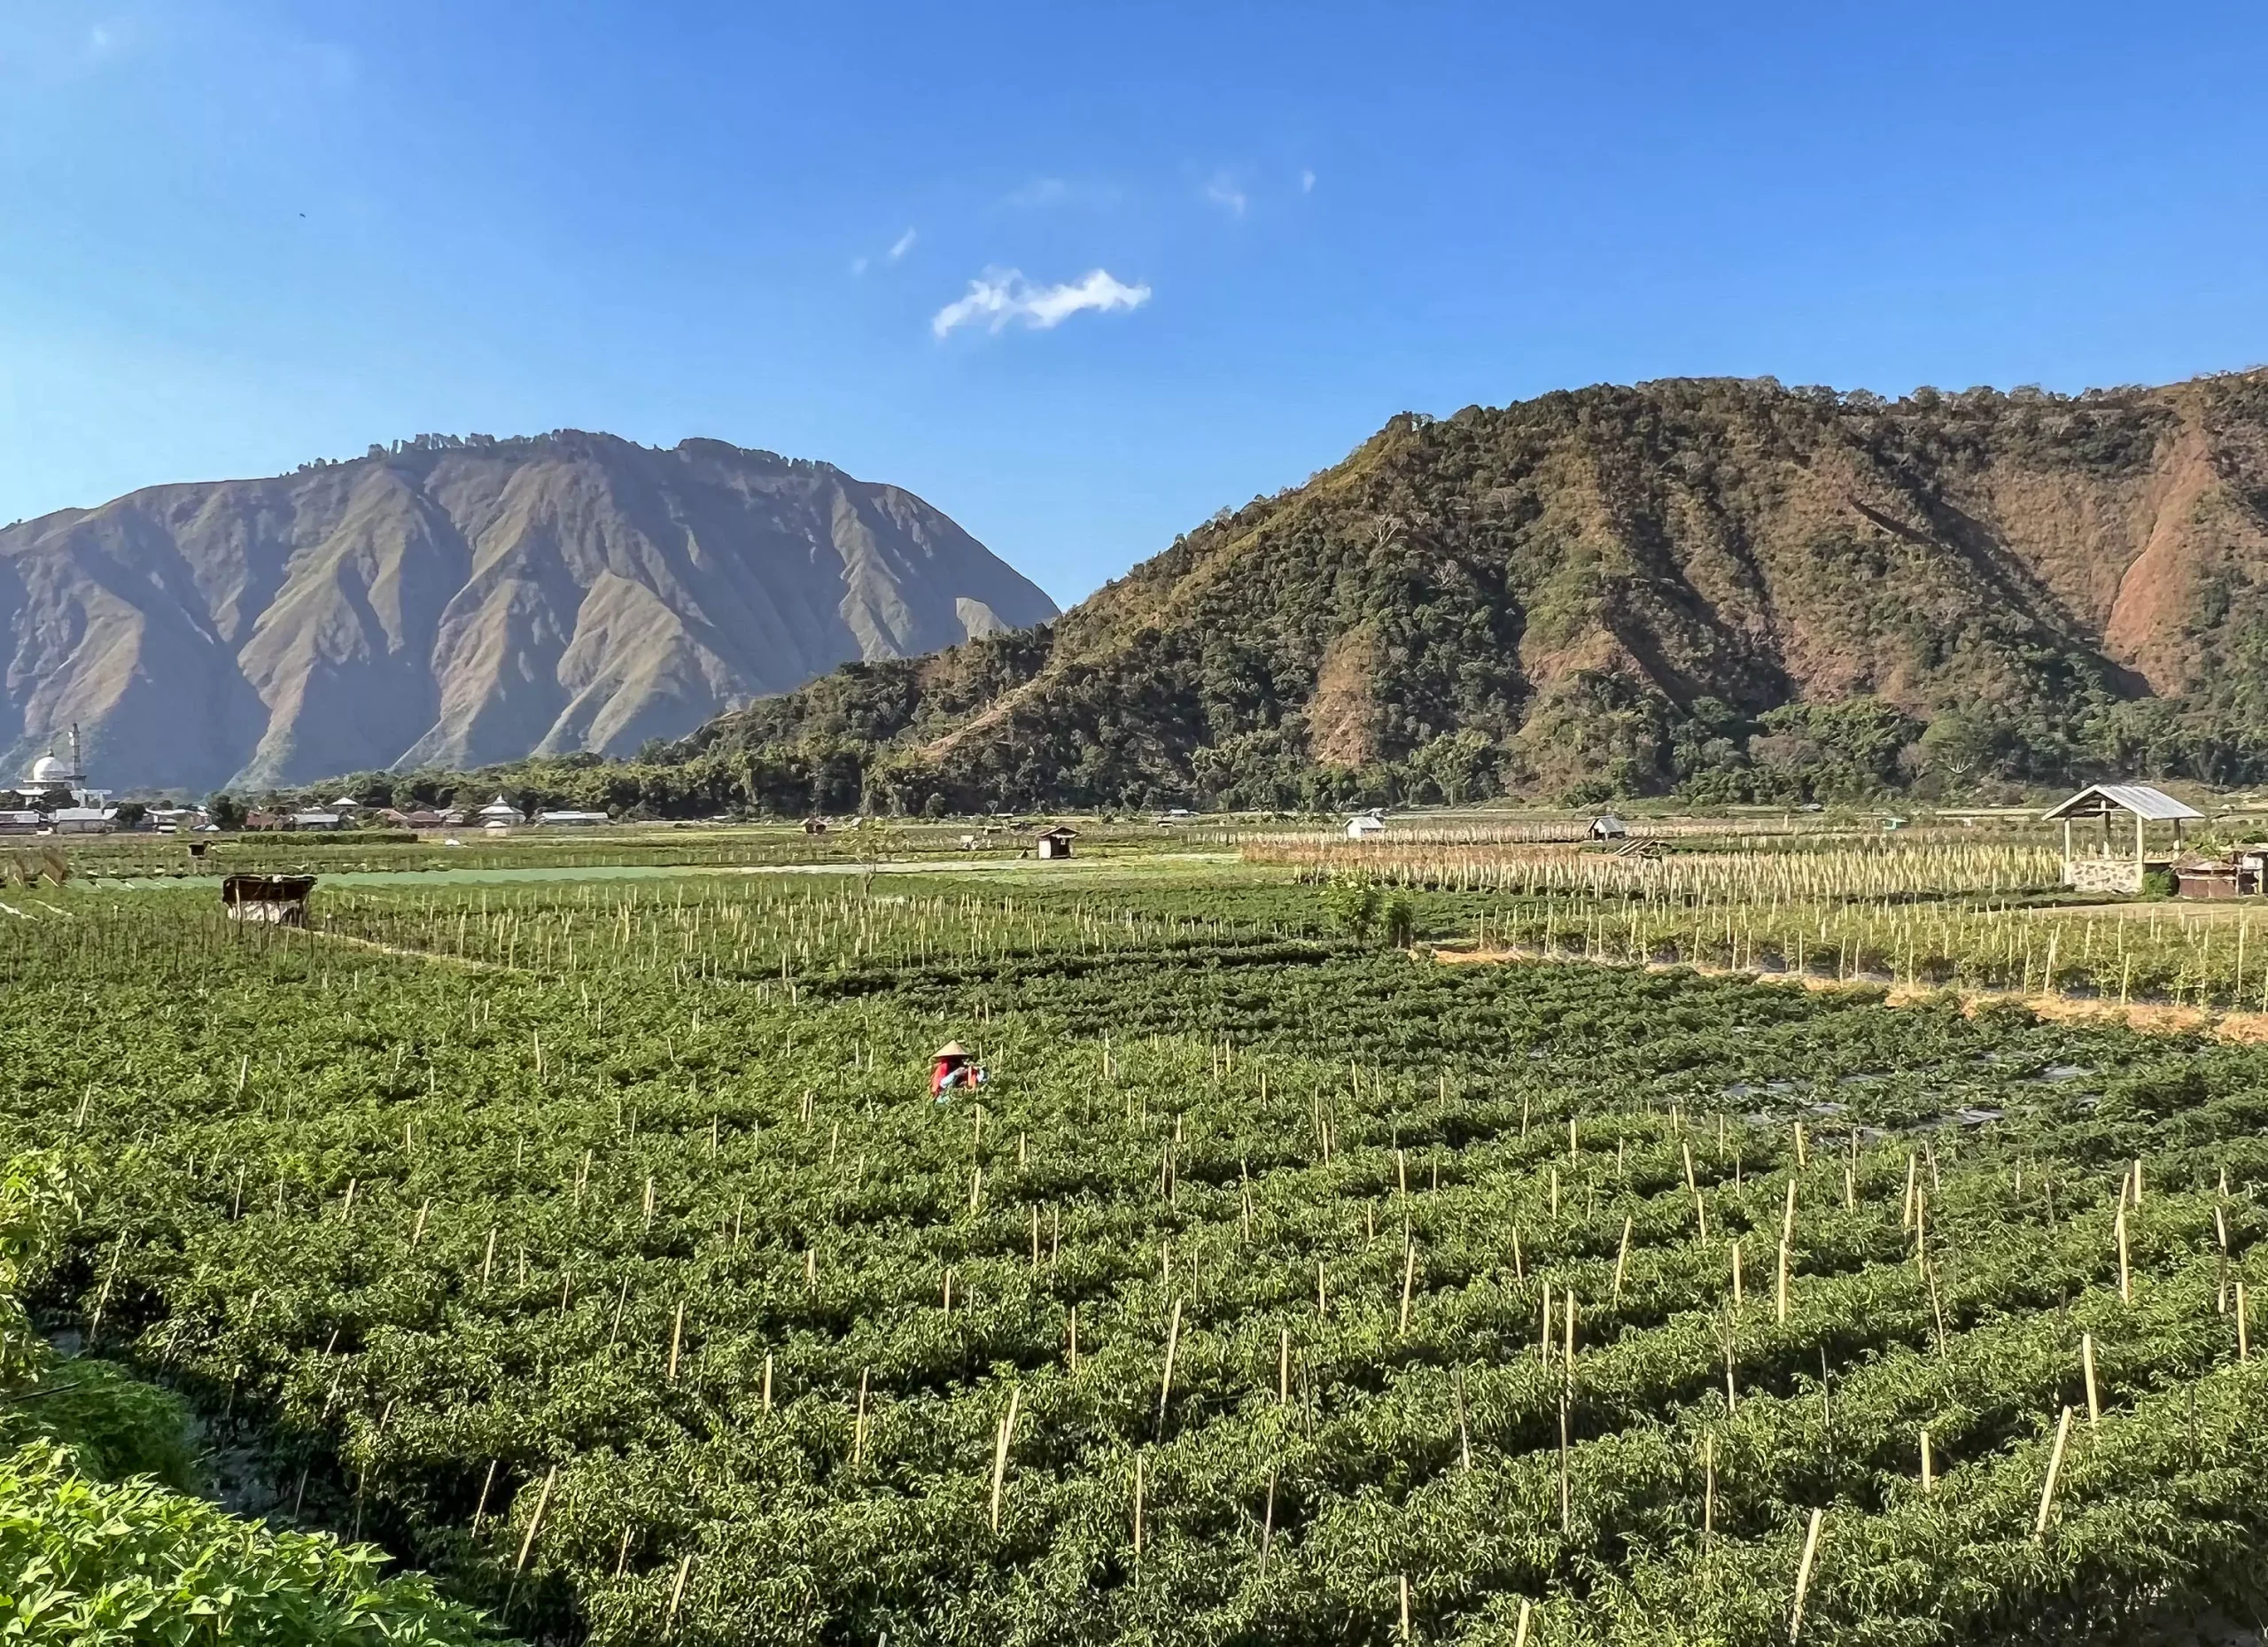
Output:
[[594, 1247]]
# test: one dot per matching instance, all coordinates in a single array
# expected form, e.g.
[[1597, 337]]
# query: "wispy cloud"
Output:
[[1307, 183], [903, 245], [1222, 191], [1039, 192], [859, 265], [1000, 296]]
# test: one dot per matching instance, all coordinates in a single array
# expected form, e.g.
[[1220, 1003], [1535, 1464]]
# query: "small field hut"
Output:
[[269, 900], [2105, 865], [1056, 843], [1363, 825]]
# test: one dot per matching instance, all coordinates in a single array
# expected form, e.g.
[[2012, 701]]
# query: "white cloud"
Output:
[[1002, 295], [1307, 183], [903, 245], [857, 266], [1222, 191]]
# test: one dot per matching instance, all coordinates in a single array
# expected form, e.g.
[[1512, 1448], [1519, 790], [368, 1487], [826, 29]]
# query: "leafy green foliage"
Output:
[[643, 1214], [92, 1563]]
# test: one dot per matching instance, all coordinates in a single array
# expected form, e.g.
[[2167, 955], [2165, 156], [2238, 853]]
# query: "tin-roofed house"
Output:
[[2106, 865]]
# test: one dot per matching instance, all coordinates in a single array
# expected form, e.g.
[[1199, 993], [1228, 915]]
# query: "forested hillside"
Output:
[[1727, 588]]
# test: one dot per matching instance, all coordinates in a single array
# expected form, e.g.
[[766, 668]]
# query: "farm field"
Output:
[[594, 1247]]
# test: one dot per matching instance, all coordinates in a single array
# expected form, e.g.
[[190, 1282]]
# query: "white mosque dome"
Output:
[[48, 769]]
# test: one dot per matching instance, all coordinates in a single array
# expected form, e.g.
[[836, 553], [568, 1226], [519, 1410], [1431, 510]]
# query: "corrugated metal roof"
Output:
[[2138, 798]]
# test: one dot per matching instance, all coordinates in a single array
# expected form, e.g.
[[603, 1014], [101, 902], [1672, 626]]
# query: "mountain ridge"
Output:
[[462, 600], [1723, 586]]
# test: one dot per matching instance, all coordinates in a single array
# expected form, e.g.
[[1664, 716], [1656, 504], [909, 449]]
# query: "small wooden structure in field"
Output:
[[2109, 868], [1056, 843], [269, 900], [1608, 827]]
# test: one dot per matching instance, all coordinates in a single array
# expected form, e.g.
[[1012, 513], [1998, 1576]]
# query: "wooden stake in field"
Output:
[[1929, 1465], [1165, 1384], [858, 1423], [527, 1541], [2086, 1360], [2125, 1270], [1621, 1260], [676, 1594], [1803, 1575], [677, 1336], [1408, 1277], [2054, 1469], [1002, 1441]]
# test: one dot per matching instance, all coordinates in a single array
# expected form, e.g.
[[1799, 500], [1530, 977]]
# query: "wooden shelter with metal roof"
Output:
[[2107, 869]]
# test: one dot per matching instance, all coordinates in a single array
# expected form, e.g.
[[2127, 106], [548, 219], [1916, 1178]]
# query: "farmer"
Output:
[[954, 1068]]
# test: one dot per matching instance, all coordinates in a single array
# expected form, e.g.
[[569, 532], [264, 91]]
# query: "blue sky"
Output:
[[236, 236]]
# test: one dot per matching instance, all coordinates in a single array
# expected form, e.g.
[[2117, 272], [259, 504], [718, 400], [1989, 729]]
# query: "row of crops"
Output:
[[2160, 953], [1269, 1289], [1766, 872]]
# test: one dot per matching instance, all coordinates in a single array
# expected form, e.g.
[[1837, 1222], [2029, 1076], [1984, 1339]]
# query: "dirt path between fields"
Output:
[[2146, 1017]]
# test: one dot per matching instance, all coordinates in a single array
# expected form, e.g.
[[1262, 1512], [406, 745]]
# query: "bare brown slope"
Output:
[[463, 602], [1565, 578]]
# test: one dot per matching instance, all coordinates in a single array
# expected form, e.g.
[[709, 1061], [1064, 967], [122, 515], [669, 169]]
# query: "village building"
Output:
[[2105, 864], [1607, 827], [1362, 825], [1056, 843], [314, 819], [569, 819]]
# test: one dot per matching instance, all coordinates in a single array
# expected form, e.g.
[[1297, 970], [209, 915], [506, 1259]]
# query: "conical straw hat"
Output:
[[951, 1049]]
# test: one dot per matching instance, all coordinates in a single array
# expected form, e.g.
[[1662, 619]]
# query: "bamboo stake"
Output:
[[1405, 1607], [1007, 1437], [1165, 1385], [1408, 1277], [2125, 1271], [2087, 1359], [858, 1423], [535, 1521], [1929, 1465], [1621, 1260], [1464, 1436], [676, 1336], [2055, 1468], [676, 1594], [1803, 1575], [1566, 1502]]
